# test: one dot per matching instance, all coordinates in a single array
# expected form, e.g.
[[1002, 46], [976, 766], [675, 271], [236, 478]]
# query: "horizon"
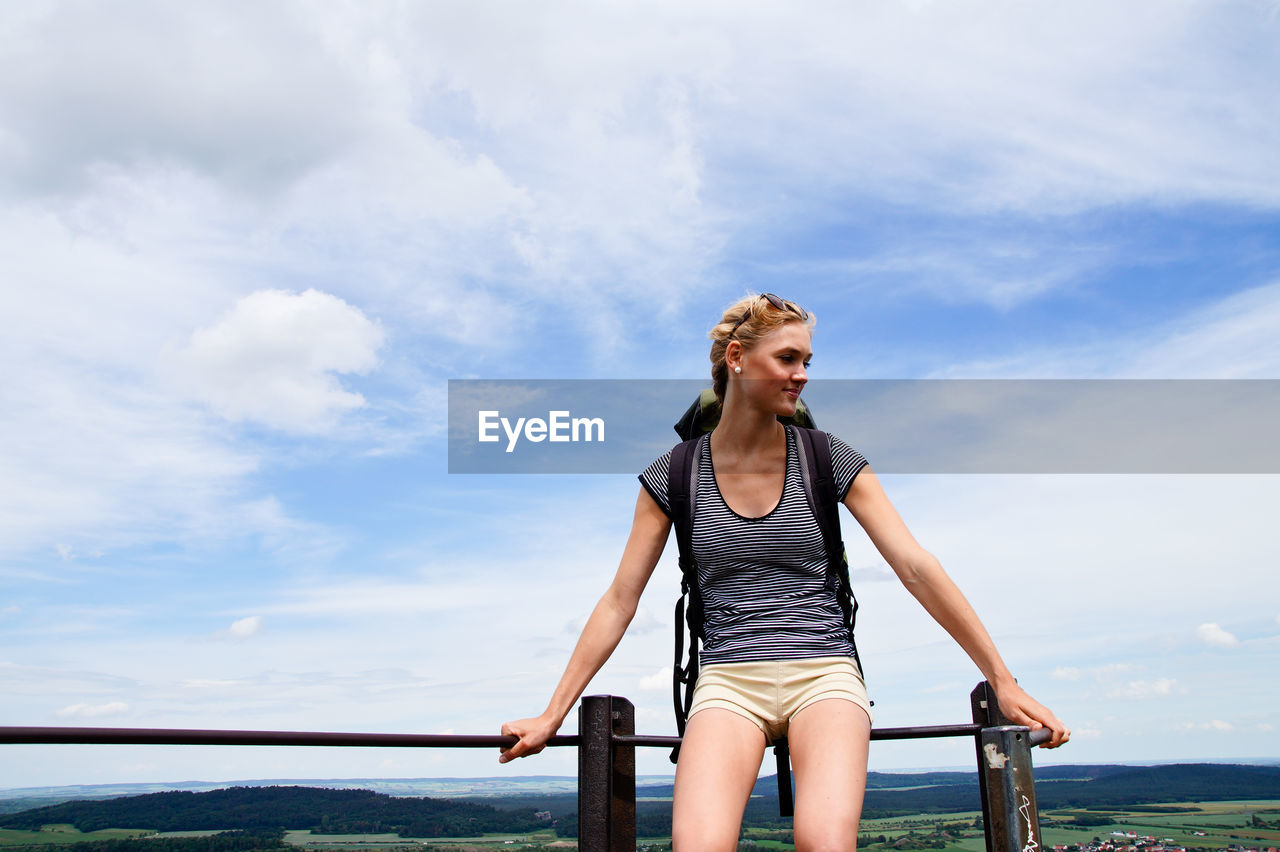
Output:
[[248, 248], [640, 778]]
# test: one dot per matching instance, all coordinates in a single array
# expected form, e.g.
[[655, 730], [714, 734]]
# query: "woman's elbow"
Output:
[[916, 568], [622, 601]]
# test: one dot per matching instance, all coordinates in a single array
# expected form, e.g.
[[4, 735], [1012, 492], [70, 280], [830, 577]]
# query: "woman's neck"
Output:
[[745, 432]]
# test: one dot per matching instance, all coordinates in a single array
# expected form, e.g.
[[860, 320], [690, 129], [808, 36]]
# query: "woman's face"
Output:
[[774, 371]]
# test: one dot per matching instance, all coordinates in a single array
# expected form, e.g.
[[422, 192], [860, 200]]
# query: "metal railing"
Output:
[[606, 743]]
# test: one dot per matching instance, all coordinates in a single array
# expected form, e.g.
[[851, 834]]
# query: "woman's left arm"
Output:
[[924, 578]]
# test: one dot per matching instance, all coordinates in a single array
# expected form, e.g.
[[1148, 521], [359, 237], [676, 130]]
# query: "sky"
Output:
[[244, 247]]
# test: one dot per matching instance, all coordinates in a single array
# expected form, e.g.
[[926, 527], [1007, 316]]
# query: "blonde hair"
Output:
[[762, 318]]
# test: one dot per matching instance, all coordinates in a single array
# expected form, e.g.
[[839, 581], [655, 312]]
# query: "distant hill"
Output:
[[22, 798], [500, 788], [890, 794], [1096, 786], [266, 808], [363, 811], [1183, 782]]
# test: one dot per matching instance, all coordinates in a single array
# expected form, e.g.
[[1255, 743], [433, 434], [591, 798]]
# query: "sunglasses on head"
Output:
[[778, 302]]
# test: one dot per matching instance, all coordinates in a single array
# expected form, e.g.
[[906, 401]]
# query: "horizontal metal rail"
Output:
[[177, 736], [923, 732], [170, 736]]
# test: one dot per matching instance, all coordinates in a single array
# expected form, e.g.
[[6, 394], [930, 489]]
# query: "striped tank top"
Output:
[[766, 590]]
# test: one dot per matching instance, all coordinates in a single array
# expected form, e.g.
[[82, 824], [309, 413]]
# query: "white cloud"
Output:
[[245, 627], [1025, 106], [381, 597], [1211, 634], [273, 357], [206, 683], [62, 682], [1069, 673], [1212, 725], [644, 622], [874, 573], [1232, 338], [108, 455], [1141, 689], [105, 464], [111, 708], [945, 688], [1110, 669], [209, 111], [661, 679]]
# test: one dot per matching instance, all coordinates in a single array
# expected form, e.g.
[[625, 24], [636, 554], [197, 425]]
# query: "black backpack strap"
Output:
[[818, 473], [817, 470], [786, 796], [682, 494]]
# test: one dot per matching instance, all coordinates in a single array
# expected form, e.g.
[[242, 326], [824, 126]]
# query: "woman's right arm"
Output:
[[603, 631]]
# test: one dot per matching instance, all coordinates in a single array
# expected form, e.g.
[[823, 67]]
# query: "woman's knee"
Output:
[[697, 835], [826, 835]]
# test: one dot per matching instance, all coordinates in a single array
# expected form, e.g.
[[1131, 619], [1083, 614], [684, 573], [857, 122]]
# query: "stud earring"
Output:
[[737, 369]]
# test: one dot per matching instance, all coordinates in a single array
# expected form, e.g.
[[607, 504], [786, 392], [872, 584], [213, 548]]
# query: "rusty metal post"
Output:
[[606, 775], [1010, 817]]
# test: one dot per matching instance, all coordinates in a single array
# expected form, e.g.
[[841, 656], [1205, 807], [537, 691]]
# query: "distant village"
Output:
[[1131, 841]]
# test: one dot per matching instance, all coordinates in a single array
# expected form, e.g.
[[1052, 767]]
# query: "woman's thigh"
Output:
[[719, 761], [829, 740]]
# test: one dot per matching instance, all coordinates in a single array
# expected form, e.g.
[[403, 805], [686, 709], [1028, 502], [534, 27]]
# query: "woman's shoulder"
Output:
[[846, 463], [655, 479], [838, 443]]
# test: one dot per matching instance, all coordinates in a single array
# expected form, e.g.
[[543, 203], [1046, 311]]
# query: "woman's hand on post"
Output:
[[533, 734], [1021, 709]]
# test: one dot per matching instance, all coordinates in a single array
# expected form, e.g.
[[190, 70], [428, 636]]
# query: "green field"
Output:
[[1205, 825], [63, 834], [346, 841], [333, 842], [1220, 824]]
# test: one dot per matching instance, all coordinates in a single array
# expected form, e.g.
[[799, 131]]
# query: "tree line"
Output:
[[323, 811], [227, 841], [327, 811]]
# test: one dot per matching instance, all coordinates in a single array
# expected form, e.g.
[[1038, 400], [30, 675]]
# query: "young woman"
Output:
[[777, 660]]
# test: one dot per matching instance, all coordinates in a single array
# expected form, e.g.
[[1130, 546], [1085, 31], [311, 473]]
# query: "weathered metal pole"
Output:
[[606, 775], [1009, 814]]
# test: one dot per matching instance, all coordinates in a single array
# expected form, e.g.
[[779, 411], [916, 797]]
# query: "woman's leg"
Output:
[[719, 761], [829, 740]]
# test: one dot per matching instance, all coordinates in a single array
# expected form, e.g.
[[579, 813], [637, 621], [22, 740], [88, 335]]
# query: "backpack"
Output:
[[814, 450]]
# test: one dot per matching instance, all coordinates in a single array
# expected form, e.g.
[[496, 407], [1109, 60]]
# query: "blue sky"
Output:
[[246, 247]]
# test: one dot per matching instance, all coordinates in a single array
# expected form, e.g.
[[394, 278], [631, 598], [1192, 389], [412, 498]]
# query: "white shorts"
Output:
[[770, 693]]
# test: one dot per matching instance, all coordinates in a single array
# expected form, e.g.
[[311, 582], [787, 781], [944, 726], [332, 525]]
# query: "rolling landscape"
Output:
[[1102, 808]]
